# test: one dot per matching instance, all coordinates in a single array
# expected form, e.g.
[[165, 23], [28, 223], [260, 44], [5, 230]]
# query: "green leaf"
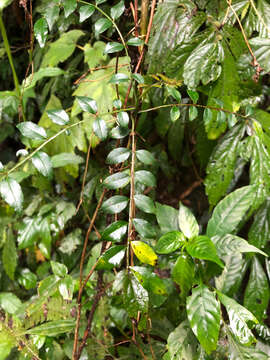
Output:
[[87, 104], [10, 302], [32, 79], [232, 244], [118, 155], [118, 78], [167, 218], [117, 180], [7, 341], [115, 204], [69, 7], [203, 65], [193, 95], [187, 222], [144, 228], [64, 159], [117, 10], [27, 279], [115, 231], [53, 328], [86, 11], [4, 3], [192, 113], [51, 14], [59, 117], [145, 157], [123, 119], [207, 118], [238, 316], [174, 93], [112, 47], [203, 311], [43, 164], [135, 41], [257, 293], [100, 128], [145, 203], [138, 77], [117, 103], [170, 242], [183, 274], [61, 49], [259, 231], [70, 242], [102, 25], [144, 252], [66, 288], [28, 233], [111, 258], [149, 280], [221, 166], [59, 269], [201, 247], [135, 296], [146, 178], [232, 120], [32, 130], [174, 113], [230, 211], [9, 254], [119, 132], [41, 31], [11, 192]]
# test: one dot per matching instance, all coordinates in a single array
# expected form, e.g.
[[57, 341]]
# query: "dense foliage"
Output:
[[135, 179]]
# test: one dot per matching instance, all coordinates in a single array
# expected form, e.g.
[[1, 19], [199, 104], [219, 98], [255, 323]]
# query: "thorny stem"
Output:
[[10, 59]]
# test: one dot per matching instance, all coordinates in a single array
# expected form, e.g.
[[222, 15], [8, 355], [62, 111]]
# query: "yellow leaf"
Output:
[[144, 252]]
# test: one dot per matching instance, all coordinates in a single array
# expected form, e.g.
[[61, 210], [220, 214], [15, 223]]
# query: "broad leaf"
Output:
[[117, 10], [118, 78], [183, 274], [115, 232], [69, 7], [144, 228], [145, 157], [66, 288], [201, 247], [27, 279], [135, 296], [118, 155], [117, 180], [41, 31], [145, 203], [53, 328], [144, 252], [102, 25], [257, 293], [230, 211], [146, 178], [123, 119], [86, 11], [115, 204], [28, 233], [9, 302], [238, 316], [259, 231], [111, 258], [167, 218], [170, 242], [59, 117], [11, 192], [187, 222], [32, 130], [43, 164], [203, 311], [100, 128], [87, 104], [220, 169], [59, 269], [150, 281], [64, 159]]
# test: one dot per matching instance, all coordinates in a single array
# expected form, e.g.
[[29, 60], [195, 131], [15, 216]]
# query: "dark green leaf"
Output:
[[220, 169], [69, 7], [59, 269], [145, 177], [201, 247], [51, 14], [138, 77], [59, 117], [238, 316], [102, 25], [135, 41], [192, 113], [115, 204], [111, 258], [117, 180], [207, 117], [9, 254], [28, 233], [230, 211], [53, 328], [232, 120], [115, 232], [187, 222], [174, 113], [259, 231], [135, 296], [87, 104], [11, 192], [257, 294], [123, 119], [149, 280], [66, 288], [117, 10], [183, 274], [193, 95], [144, 228], [31, 130], [170, 242], [86, 11], [119, 132], [100, 128], [118, 155], [64, 159], [41, 31], [113, 47], [167, 218], [43, 164], [118, 78], [145, 157], [203, 311], [145, 203], [174, 93], [27, 279]]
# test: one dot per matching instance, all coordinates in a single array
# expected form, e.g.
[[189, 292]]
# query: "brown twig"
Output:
[[190, 189]]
